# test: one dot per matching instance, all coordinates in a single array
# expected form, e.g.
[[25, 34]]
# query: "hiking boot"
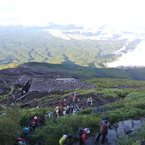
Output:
[[102, 142]]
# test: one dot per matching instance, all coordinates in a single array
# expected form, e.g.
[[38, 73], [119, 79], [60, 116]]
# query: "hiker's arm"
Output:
[[100, 124], [111, 126], [84, 139]]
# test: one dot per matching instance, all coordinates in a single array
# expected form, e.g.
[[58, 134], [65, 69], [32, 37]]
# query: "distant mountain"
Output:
[[56, 44]]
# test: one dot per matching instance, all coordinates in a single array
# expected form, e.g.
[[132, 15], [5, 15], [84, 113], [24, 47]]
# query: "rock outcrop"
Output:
[[124, 128]]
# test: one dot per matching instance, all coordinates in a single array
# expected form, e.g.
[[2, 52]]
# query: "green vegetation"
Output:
[[130, 106], [22, 45], [38, 48]]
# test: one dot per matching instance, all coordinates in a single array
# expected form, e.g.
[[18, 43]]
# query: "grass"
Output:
[[129, 107]]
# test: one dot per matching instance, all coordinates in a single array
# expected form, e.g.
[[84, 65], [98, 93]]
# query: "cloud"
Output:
[[88, 13], [133, 58]]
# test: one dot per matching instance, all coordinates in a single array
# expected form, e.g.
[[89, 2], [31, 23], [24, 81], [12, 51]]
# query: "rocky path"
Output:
[[125, 128]]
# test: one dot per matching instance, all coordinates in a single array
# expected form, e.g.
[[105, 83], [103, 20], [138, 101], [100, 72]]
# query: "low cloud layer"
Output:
[[131, 59]]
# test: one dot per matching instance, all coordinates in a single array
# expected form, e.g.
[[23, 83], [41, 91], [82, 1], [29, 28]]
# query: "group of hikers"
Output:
[[27, 129], [81, 135], [75, 106]]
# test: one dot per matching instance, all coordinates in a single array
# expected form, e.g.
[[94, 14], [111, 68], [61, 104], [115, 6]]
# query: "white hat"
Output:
[[87, 130]]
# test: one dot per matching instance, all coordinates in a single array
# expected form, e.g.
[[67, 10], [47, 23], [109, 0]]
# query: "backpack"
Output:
[[104, 128], [63, 139], [79, 133], [21, 143]]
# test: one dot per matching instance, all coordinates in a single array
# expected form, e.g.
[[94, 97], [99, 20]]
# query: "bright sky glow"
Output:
[[87, 13]]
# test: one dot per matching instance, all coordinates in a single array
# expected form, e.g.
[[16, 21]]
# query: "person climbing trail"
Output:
[[26, 131], [58, 111], [104, 127], [89, 101], [36, 120], [33, 125], [63, 103], [19, 141], [83, 136], [49, 114], [74, 95]]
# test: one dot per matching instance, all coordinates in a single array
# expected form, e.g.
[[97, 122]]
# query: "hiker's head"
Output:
[[87, 130], [90, 97], [69, 136], [19, 139], [106, 118]]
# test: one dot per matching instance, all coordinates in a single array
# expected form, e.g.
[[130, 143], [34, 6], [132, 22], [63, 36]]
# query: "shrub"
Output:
[[55, 128], [126, 141], [10, 126]]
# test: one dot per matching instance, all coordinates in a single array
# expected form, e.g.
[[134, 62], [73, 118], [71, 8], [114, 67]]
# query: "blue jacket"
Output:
[[26, 129], [104, 121]]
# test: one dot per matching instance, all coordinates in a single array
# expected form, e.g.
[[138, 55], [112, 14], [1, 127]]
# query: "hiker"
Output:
[[82, 135], [89, 101], [48, 114], [78, 100], [13, 97], [74, 95], [27, 86], [19, 141], [58, 111], [67, 110], [64, 111], [64, 140], [12, 104], [36, 120], [104, 126], [26, 131], [63, 103], [72, 107], [78, 104], [81, 106], [75, 111], [33, 125]]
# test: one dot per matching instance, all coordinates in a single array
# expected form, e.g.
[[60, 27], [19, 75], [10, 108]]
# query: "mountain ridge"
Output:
[[19, 45]]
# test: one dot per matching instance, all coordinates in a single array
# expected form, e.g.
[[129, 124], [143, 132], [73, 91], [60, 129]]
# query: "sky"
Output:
[[87, 13]]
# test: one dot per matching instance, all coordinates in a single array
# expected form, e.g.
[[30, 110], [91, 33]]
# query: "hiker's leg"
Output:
[[97, 139], [81, 142], [103, 138]]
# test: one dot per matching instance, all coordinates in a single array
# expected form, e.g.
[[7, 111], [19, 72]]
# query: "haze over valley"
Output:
[[102, 47], [96, 35]]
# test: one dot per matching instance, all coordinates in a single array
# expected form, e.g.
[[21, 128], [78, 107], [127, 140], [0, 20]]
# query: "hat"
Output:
[[106, 117], [35, 117], [87, 130], [69, 135], [19, 139]]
